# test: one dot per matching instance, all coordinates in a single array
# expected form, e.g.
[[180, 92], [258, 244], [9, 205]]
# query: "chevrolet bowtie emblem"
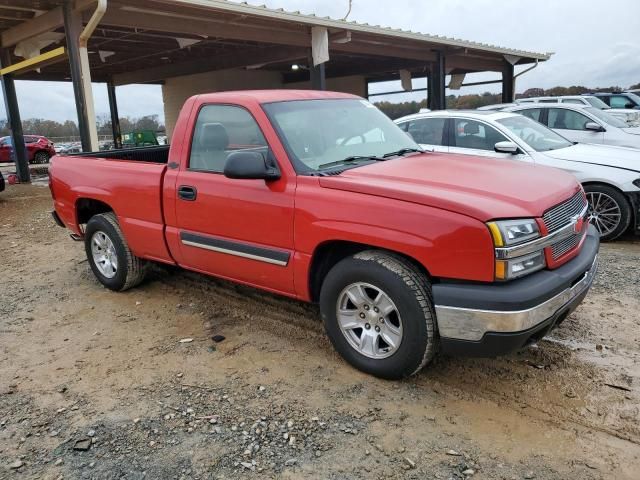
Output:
[[578, 223]]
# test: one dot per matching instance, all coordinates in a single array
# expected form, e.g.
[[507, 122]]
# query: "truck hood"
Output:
[[606, 155], [632, 130], [478, 187]]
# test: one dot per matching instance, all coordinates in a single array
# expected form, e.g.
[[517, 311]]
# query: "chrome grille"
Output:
[[561, 215], [563, 246]]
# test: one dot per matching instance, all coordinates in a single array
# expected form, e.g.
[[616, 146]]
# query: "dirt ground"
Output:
[[95, 384]]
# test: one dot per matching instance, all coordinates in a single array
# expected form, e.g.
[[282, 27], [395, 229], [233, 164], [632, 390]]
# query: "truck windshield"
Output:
[[537, 136], [329, 134]]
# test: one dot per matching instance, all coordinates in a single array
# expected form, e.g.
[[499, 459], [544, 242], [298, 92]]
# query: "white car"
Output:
[[582, 124], [629, 116], [610, 175], [496, 106]]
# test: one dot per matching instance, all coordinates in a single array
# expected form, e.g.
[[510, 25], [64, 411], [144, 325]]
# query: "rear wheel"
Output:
[[41, 157], [378, 313], [110, 258], [609, 211]]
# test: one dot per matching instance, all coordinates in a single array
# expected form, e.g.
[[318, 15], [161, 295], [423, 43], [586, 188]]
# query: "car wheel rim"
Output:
[[604, 212], [369, 320], [104, 254]]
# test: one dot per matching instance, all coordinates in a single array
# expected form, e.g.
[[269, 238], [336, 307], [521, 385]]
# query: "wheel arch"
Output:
[[89, 207], [327, 254]]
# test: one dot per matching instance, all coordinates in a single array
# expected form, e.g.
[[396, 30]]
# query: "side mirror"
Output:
[[250, 165], [594, 127], [506, 147], [629, 105]]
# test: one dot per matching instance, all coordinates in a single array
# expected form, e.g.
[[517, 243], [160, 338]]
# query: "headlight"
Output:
[[507, 233], [520, 266]]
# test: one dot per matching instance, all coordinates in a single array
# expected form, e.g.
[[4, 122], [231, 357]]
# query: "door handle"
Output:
[[185, 192]]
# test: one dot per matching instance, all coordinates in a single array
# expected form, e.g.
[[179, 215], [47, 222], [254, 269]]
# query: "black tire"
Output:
[[407, 288], [596, 189], [41, 157], [131, 269]]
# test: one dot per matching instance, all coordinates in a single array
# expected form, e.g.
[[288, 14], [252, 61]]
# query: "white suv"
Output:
[[610, 175], [629, 116]]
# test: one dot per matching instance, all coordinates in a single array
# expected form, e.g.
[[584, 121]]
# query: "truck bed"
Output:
[[156, 154], [128, 181]]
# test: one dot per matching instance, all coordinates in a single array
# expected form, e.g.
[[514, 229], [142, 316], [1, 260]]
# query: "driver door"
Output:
[[233, 228]]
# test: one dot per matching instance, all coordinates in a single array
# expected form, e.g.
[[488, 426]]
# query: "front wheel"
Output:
[[609, 211], [110, 258], [378, 313]]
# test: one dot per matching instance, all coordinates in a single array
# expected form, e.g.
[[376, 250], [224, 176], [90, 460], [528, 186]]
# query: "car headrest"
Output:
[[213, 136], [471, 128]]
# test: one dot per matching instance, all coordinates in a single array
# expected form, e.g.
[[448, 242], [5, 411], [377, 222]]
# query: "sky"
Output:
[[594, 45]]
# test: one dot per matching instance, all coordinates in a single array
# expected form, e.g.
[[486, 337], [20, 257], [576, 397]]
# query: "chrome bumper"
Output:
[[470, 324]]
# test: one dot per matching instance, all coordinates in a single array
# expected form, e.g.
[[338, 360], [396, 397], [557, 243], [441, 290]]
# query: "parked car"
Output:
[[68, 148], [320, 197], [2, 185], [620, 100], [609, 175], [496, 106], [39, 149], [629, 116], [583, 124]]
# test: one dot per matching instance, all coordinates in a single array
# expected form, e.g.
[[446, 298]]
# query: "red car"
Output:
[[39, 149], [321, 197]]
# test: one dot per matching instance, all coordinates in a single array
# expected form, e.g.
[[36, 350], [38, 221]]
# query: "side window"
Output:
[[477, 135], [219, 131], [619, 101], [427, 130], [532, 113], [567, 119]]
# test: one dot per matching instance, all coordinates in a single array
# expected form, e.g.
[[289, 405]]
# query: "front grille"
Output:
[[561, 215], [563, 246]]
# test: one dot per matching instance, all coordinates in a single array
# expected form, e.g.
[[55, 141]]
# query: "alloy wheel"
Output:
[[604, 212], [369, 320]]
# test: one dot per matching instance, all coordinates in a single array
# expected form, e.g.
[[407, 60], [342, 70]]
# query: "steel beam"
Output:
[[318, 77], [13, 118], [72, 28], [508, 84], [115, 118], [436, 84]]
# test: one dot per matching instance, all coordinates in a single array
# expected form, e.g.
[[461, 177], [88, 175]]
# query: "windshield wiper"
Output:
[[351, 159], [402, 151]]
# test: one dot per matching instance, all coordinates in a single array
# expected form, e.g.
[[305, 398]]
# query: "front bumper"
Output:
[[495, 319]]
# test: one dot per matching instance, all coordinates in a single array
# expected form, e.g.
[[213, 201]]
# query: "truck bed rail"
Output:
[[156, 154]]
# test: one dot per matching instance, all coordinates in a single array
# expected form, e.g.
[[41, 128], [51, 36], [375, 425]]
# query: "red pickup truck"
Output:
[[320, 197]]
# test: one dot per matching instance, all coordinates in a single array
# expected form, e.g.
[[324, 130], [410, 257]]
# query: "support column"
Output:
[[14, 120], [508, 84], [318, 78], [81, 78], [436, 84], [115, 118]]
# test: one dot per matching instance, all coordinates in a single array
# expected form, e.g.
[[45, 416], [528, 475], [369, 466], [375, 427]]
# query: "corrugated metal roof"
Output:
[[313, 20]]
